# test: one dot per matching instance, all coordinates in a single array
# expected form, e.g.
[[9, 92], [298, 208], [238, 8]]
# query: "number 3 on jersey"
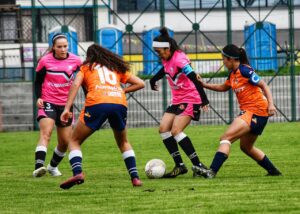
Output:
[[106, 76]]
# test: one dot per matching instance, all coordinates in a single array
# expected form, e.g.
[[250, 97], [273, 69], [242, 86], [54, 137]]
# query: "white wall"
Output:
[[214, 21], [10, 54]]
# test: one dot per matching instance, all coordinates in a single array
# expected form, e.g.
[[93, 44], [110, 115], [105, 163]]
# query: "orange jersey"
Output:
[[244, 82], [103, 85]]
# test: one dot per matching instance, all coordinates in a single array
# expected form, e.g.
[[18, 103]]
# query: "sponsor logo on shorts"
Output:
[[87, 114], [181, 107], [254, 120], [48, 107]]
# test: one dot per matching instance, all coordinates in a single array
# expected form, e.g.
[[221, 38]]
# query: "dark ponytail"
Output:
[[165, 37], [234, 52], [243, 57]]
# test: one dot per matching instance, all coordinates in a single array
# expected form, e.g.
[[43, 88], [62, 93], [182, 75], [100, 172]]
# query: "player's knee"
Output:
[[162, 129]]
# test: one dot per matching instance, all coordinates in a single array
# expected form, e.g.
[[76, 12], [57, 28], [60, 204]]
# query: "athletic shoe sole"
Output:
[[77, 179]]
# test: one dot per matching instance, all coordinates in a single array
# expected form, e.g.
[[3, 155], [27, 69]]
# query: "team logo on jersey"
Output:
[[236, 81], [87, 114], [171, 70], [255, 78]]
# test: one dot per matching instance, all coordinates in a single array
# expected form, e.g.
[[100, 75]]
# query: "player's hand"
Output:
[[40, 103], [271, 110], [199, 79], [65, 116], [205, 108]]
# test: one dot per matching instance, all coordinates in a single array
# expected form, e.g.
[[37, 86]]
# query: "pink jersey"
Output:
[[58, 78], [183, 89]]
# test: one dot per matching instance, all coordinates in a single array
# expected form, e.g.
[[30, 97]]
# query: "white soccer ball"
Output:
[[155, 168]]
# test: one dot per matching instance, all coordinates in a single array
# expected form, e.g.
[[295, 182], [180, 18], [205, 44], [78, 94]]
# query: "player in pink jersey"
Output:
[[54, 77], [188, 97]]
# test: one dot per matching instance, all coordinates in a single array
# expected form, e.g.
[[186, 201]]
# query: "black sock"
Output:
[[188, 148], [172, 147], [218, 161], [57, 157], [40, 156], [268, 165]]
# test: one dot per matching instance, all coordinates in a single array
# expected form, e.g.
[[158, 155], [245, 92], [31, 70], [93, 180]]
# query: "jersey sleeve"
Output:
[[187, 69], [249, 73], [124, 77], [41, 64], [182, 60], [82, 70]]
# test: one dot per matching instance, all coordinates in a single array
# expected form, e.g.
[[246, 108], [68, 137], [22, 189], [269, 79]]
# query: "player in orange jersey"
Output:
[[101, 76], [256, 105]]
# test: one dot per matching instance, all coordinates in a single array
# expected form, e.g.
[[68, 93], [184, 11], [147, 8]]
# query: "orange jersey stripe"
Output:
[[103, 85]]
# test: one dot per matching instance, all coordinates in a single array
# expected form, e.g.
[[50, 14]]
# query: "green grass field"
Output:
[[240, 186]]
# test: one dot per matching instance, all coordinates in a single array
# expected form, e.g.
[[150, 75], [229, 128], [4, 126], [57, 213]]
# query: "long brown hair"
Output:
[[104, 57]]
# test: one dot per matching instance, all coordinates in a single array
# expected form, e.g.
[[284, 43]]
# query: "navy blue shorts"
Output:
[[256, 123], [94, 116]]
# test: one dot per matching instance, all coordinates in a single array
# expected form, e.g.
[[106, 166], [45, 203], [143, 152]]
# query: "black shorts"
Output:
[[183, 109], [53, 111]]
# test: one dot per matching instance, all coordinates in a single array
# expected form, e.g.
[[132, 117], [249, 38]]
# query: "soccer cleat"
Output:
[[199, 171], [274, 173], [136, 182], [53, 171], [177, 170], [203, 171], [77, 179], [39, 172], [210, 174]]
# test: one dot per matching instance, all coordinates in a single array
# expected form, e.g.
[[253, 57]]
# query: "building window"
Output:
[[81, 21]]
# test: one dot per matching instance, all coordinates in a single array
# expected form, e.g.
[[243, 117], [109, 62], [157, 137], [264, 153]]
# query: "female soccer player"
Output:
[[256, 105], [54, 77], [188, 97], [101, 76]]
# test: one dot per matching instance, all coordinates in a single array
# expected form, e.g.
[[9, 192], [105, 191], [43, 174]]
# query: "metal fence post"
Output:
[[292, 59], [95, 21], [229, 41], [34, 61], [164, 81]]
